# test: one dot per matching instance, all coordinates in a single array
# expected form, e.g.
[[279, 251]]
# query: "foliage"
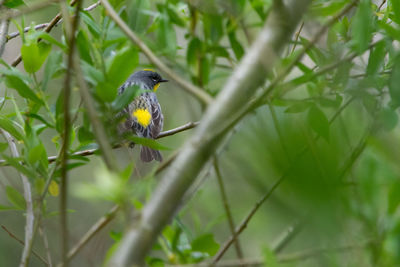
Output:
[[329, 130]]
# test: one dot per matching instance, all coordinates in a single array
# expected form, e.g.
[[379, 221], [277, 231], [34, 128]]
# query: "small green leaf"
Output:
[[205, 243], [53, 64], [5, 208], [193, 52], [394, 83], [123, 64], [376, 58], [396, 10], [13, 3], [126, 97], [147, 142], [362, 26], [83, 45], [22, 89], [236, 46], [9, 126], [15, 198], [34, 54], [318, 122]]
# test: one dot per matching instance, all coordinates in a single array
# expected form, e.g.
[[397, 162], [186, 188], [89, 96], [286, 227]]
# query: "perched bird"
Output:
[[143, 114]]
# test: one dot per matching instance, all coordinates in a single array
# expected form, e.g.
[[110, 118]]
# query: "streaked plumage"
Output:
[[145, 117]]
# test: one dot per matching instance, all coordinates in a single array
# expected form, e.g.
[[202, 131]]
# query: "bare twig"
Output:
[[228, 212], [23, 244], [4, 23], [30, 217], [296, 38], [66, 134], [28, 9], [46, 245], [189, 87]]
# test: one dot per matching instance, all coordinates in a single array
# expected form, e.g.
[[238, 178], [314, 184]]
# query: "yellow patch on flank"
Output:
[[143, 116], [156, 87]]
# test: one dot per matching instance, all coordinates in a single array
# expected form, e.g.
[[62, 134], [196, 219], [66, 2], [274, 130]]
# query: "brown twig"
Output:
[[189, 87], [66, 134], [46, 25], [24, 10], [23, 244], [228, 212]]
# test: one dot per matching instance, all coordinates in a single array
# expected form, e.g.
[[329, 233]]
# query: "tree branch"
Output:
[[30, 217], [199, 93], [66, 134], [242, 84]]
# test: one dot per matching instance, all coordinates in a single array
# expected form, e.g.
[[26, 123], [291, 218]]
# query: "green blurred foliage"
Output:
[[330, 131]]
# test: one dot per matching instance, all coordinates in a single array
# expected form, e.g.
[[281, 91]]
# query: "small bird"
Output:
[[144, 116]]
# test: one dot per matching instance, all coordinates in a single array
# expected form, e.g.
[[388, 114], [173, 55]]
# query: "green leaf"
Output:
[[138, 15], [362, 26], [83, 45], [23, 90], [147, 142], [213, 29], [126, 97], [396, 10], [298, 107], [205, 243], [193, 52], [13, 3], [123, 64], [15, 198], [394, 83], [53, 64], [236, 46], [34, 54], [8, 125], [318, 122], [166, 36], [376, 58]]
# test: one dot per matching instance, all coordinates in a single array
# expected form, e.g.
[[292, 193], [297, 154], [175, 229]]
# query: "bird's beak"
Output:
[[163, 81]]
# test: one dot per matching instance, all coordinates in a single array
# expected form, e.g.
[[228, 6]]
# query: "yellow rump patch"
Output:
[[143, 116], [156, 87]]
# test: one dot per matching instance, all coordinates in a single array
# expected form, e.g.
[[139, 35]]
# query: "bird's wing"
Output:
[[157, 121]]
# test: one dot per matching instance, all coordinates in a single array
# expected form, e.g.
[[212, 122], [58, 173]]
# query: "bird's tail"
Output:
[[147, 154]]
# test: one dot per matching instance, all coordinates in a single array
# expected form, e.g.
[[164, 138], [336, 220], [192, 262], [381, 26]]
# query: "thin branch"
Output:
[[30, 217], [23, 244], [4, 23], [88, 152], [66, 134], [297, 36], [199, 93], [46, 245], [228, 212], [46, 25]]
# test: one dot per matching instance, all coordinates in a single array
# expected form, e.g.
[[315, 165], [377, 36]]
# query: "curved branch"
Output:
[[189, 87]]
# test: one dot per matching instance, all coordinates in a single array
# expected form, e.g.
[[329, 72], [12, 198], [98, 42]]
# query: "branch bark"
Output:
[[248, 76]]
